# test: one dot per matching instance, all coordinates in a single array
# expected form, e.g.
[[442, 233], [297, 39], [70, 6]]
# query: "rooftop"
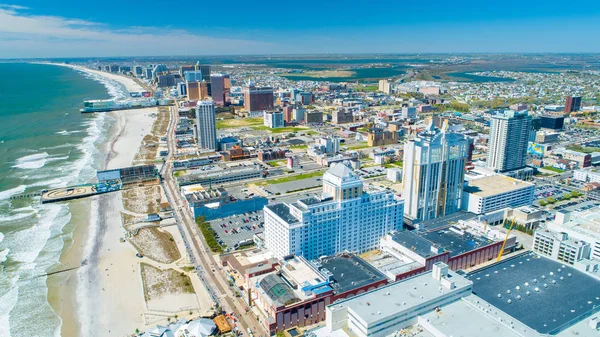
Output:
[[586, 222], [544, 294], [283, 211], [349, 272], [342, 171], [496, 184], [416, 243], [455, 240], [462, 318], [400, 297], [445, 221], [389, 264]]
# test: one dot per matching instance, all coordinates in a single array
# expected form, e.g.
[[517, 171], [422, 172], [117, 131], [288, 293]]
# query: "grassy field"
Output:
[[371, 88], [277, 163], [285, 129], [299, 147], [553, 169], [579, 148], [294, 177], [359, 146], [397, 164], [240, 122]]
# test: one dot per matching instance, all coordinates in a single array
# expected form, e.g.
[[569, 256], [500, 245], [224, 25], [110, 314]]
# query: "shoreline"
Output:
[[127, 82], [96, 233]]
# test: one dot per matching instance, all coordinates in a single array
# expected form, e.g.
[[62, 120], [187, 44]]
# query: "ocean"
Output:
[[44, 143]]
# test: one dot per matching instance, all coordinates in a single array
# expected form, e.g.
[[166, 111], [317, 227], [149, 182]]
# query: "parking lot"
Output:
[[295, 185], [546, 191], [236, 229], [577, 206], [369, 172]]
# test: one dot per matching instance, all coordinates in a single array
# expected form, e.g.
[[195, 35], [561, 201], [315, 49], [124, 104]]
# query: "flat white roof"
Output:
[[460, 318], [496, 184], [399, 297]]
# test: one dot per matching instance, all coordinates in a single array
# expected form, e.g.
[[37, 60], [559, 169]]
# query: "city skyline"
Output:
[[34, 29]]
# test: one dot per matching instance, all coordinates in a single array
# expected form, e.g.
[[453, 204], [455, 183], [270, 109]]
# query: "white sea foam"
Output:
[[32, 161], [115, 89], [8, 301], [10, 192], [38, 244], [66, 133], [61, 146], [4, 254], [17, 214]]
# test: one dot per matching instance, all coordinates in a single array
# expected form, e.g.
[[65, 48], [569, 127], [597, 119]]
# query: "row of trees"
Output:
[[566, 196], [209, 234]]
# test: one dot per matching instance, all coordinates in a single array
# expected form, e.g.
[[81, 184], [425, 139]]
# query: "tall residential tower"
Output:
[[207, 125], [509, 136], [434, 171]]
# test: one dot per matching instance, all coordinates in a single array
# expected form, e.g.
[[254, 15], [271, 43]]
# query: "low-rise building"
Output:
[[398, 305], [394, 174], [587, 176], [545, 137], [343, 116], [527, 216], [527, 295], [313, 117], [461, 246], [583, 225], [297, 292], [496, 192], [559, 246], [219, 177], [271, 154], [582, 159], [380, 137]]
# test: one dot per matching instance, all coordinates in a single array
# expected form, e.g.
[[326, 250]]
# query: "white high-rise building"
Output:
[[206, 125], [509, 136], [273, 119], [344, 218], [434, 164]]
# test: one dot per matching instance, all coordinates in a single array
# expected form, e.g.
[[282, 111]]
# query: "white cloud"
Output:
[[41, 36], [13, 7]]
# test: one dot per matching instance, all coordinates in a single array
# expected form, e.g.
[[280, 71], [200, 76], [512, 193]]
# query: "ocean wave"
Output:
[[32, 161], [29, 242], [66, 133], [36, 161], [4, 254], [10, 192], [8, 301], [18, 214], [115, 89], [61, 146]]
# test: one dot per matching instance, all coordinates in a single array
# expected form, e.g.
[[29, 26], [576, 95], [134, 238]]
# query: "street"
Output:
[[198, 250]]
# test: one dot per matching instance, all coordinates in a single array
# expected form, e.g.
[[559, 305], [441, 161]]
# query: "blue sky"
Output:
[[73, 28]]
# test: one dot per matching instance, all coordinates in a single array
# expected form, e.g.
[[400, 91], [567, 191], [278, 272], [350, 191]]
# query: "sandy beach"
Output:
[[129, 83], [106, 295], [107, 291]]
